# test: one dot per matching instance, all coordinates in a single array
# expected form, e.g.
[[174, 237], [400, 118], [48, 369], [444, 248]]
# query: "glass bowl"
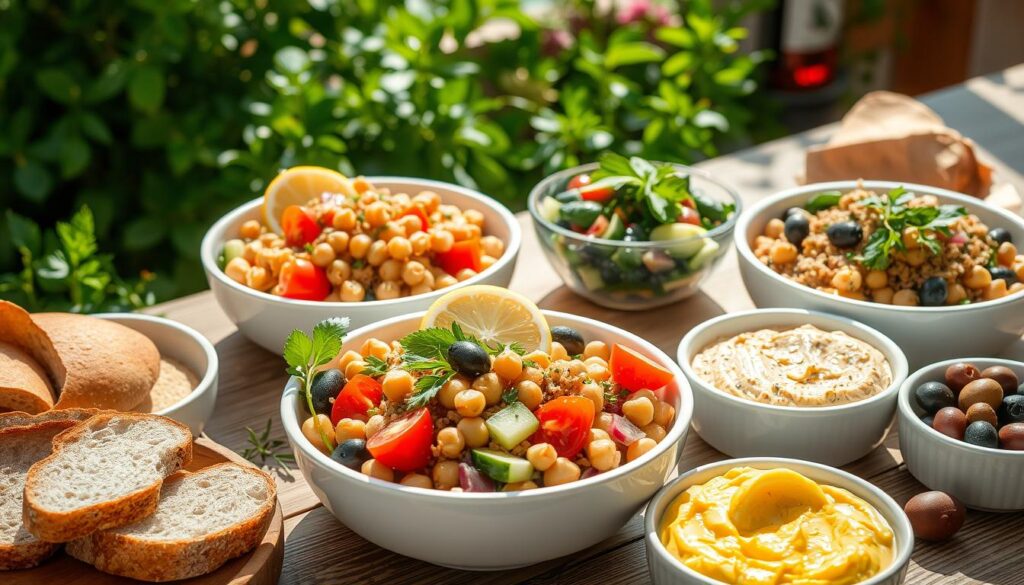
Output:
[[618, 274]]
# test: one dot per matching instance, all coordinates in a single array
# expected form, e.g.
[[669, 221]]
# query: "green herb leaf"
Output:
[[298, 348], [510, 395], [426, 389], [895, 216], [429, 343], [822, 201], [375, 366]]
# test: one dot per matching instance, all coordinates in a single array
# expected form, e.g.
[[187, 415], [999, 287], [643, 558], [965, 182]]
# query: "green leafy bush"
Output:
[[161, 115]]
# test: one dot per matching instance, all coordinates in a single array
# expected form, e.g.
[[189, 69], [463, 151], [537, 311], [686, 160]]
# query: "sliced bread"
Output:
[[24, 419], [103, 473], [203, 520], [22, 445]]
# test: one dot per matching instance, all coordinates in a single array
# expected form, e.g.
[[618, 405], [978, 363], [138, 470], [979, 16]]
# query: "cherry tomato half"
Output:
[[359, 394], [597, 228], [689, 215], [464, 254], [300, 228], [634, 371], [422, 215], [565, 423], [588, 193], [405, 443], [301, 279]]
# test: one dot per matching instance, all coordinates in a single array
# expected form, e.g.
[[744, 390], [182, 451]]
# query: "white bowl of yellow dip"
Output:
[[745, 518], [824, 393]]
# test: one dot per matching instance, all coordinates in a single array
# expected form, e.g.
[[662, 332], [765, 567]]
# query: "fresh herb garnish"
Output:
[[510, 395], [895, 216], [426, 351], [374, 366], [822, 201], [262, 447], [305, 355]]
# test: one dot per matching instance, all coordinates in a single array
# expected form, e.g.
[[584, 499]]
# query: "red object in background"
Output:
[[805, 35], [359, 395], [302, 280], [565, 423], [404, 444], [464, 254]]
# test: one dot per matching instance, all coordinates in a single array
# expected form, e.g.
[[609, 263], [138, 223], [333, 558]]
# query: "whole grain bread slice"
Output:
[[203, 520], [103, 473], [24, 440]]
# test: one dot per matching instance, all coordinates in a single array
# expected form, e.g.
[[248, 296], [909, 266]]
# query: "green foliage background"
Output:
[[161, 115]]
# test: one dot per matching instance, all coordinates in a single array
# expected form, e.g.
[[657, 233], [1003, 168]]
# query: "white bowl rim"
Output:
[[723, 229], [905, 534], [743, 246], [208, 249], [880, 342], [907, 389], [212, 364], [684, 414]]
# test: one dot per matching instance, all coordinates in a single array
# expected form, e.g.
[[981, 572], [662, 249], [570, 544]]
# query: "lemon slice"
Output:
[[492, 315], [296, 186]]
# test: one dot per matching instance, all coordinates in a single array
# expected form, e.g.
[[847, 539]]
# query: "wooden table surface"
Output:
[[319, 549]]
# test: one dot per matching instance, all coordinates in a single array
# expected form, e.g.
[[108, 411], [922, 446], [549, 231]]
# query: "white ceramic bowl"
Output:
[[834, 435], [926, 334], [667, 570], [981, 478], [491, 531], [267, 319], [188, 346]]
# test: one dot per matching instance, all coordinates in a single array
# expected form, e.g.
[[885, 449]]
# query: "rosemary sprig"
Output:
[[263, 447]]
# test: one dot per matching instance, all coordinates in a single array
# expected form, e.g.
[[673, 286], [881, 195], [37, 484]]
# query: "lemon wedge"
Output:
[[492, 315], [296, 186]]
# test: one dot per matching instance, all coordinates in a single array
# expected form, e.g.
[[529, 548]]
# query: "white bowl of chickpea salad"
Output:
[[991, 321], [492, 530], [266, 317]]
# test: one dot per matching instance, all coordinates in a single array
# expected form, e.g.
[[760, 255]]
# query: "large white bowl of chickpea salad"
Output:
[[376, 266], [426, 513]]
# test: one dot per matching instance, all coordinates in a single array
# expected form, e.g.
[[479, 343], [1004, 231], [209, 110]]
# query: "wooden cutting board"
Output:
[[262, 566]]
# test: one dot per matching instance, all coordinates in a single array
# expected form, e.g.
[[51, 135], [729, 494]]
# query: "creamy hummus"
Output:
[[776, 526], [804, 366]]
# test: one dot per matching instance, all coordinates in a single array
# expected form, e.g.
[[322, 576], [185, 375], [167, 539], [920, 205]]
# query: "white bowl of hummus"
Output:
[[746, 520], [792, 383]]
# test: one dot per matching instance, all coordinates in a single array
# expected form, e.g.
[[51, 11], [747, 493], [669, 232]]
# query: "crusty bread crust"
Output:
[[24, 419], [24, 385], [171, 560], [56, 526]]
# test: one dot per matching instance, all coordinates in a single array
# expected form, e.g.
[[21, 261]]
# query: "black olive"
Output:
[[934, 292], [469, 358], [1000, 235], [352, 454], [845, 234], [1003, 272], [797, 228], [982, 433], [326, 385], [570, 339], [795, 211], [1012, 409], [933, 396]]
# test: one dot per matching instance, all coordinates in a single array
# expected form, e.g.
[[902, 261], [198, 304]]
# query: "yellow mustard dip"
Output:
[[762, 527]]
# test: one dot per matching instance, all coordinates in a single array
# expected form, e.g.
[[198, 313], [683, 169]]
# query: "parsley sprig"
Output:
[[895, 216], [305, 355]]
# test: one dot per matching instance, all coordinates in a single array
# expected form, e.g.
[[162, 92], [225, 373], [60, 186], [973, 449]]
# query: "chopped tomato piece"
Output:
[[464, 254], [582, 184], [300, 228], [597, 228], [301, 279], [359, 395], [418, 212], [565, 423], [689, 203], [689, 215], [404, 444], [633, 371]]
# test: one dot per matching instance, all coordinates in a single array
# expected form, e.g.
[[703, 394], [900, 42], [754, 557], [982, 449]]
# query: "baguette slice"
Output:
[[24, 440], [203, 520], [104, 473]]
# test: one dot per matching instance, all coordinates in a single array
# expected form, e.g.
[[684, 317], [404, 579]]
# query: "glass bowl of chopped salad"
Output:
[[631, 234]]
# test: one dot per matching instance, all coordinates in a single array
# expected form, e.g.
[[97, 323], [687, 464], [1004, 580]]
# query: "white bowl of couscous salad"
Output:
[[272, 273], [937, 272]]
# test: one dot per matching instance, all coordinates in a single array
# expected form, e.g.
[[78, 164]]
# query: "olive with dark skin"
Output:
[[934, 292], [1002, 272], [982, 434], [351, 453], [570, 339], [795, 211], [961, 374], [325, 387], [797, 228], [845, 234], [1012, 409], [469, 359], [1006, 377], [1000, 235], [934, 396]]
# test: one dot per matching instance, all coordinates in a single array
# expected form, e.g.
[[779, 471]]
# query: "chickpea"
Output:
[[390, 270], [251, 250], [603, 455], [461, 231], [413, 273], [368, 198], [664, 413], [420, 243], [397, 384], [250, 230], [492, 246], [359, 245], [603, 422], [558, 352], [348, 357], [542, 456], [644, 393], [441, 241], [508, 365], [1018, 269], [446, 396], [388, 289], [595, 394], [876, 279], [563, 471], [360, 185], [417, 480], [374, 425], [376, 348], [782, 252], [597, 348], [338, 241], [487, 261], [775, 228], [338, 272], [323, 254], [956, 294], [344, 219], [995, 290], [420, 289], [377, 253], [470, 402], [258, 278], [450, 442], [349, 428], [377, 214], [309, 431], [847, 279], [465, 274], [532, 374], [654, 431], [639, 411], [529, 393], [538, 357], [474, 431], [473, 217], [399, 248], [376, 469], [519, 486], [354, 368], [639, 447], [490, 386], [428, 199], [237, 269], [1015, 287], [911, 238], [979, 278], [446, 281], [577, 367], [883, 295], [445, 474], [916, 257], [905, 297], [598, 372], [1006, 254], [597, 434]]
